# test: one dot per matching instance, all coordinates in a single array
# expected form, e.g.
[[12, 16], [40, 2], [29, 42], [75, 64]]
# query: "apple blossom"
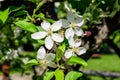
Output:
[[49, 33]]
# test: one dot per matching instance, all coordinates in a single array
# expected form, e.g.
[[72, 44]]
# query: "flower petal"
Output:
[[50, 57], [51, 64], [79, 20], [41, 53], [81, 51], [45, 25], [71, 42], [48, 42], [70, 16], [68, 53], [38, 35], [77, 43], [57, 37], [57, 25], [74, 43], [79, 31], [65, 23], [69, 33]]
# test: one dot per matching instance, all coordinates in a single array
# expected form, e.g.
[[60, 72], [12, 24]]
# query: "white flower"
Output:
[[73, 24], [49, 33], [74, 48], [45, 59]]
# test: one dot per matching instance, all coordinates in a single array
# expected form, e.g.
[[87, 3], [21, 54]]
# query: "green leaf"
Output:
[[48, 75], [26, 26], [32, 62], [41, 42], [41, 16], [60, 52], [59, 75], [19, 13], [77, 60], [73, 75], [4, 15]]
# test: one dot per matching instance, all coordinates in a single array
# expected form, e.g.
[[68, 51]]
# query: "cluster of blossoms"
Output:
[[65, 29]]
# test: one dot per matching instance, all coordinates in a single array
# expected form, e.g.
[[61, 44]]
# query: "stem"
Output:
[[38, 7]]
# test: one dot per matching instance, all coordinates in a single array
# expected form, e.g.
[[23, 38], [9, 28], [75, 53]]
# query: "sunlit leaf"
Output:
[[26, 26], [4, 15], [73, 75], [59, 75], [48, 75], [77, 60]]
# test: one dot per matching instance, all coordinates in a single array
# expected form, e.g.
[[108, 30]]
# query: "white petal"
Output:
[[38, 35], [70, 16], [74, 43], [45, 25], [79, 20], [57, 37], [57, 25], [78, 31], [49, 42], [68, 53], [81, 51], [51, 64], [50, 57], [71, 42], [65, 23], [41, 53], [77, 43], [69, 33], [66, 7]]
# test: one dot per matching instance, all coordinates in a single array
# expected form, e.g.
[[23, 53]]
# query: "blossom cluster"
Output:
[[64, 29]]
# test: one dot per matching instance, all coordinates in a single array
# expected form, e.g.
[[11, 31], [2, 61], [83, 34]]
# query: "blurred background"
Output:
[[102, 40]]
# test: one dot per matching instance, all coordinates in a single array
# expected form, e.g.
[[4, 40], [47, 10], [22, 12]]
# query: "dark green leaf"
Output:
[[59, 75], [77, 60], [19, 13], [60, 52], [73, 75], [32, 62], [27, 26], [48, 75]]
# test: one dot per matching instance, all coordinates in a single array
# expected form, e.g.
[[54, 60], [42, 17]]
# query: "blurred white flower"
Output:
[[74, 48], [49, 33], [45, 59], [73, 24], [25, 60]]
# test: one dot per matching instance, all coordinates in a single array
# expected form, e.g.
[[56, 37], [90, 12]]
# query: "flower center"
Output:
[[61, 32], [49, 32], [43, 62], [74, 49], [72, 25]]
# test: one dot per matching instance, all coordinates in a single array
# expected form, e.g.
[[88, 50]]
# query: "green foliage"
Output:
[[73, 75], [19, 13], [60, 52], [32, 62], [77, 60], [59, 75], [26, 26], [48, 75], [4, 16]]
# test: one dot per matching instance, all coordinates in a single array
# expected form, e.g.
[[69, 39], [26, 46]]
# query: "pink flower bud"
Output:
[[88, 33]]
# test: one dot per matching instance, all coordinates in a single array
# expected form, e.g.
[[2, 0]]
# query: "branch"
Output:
[[102, 74]]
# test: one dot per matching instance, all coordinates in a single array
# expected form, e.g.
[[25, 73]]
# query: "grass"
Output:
[[105, 63], [110, 63]]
